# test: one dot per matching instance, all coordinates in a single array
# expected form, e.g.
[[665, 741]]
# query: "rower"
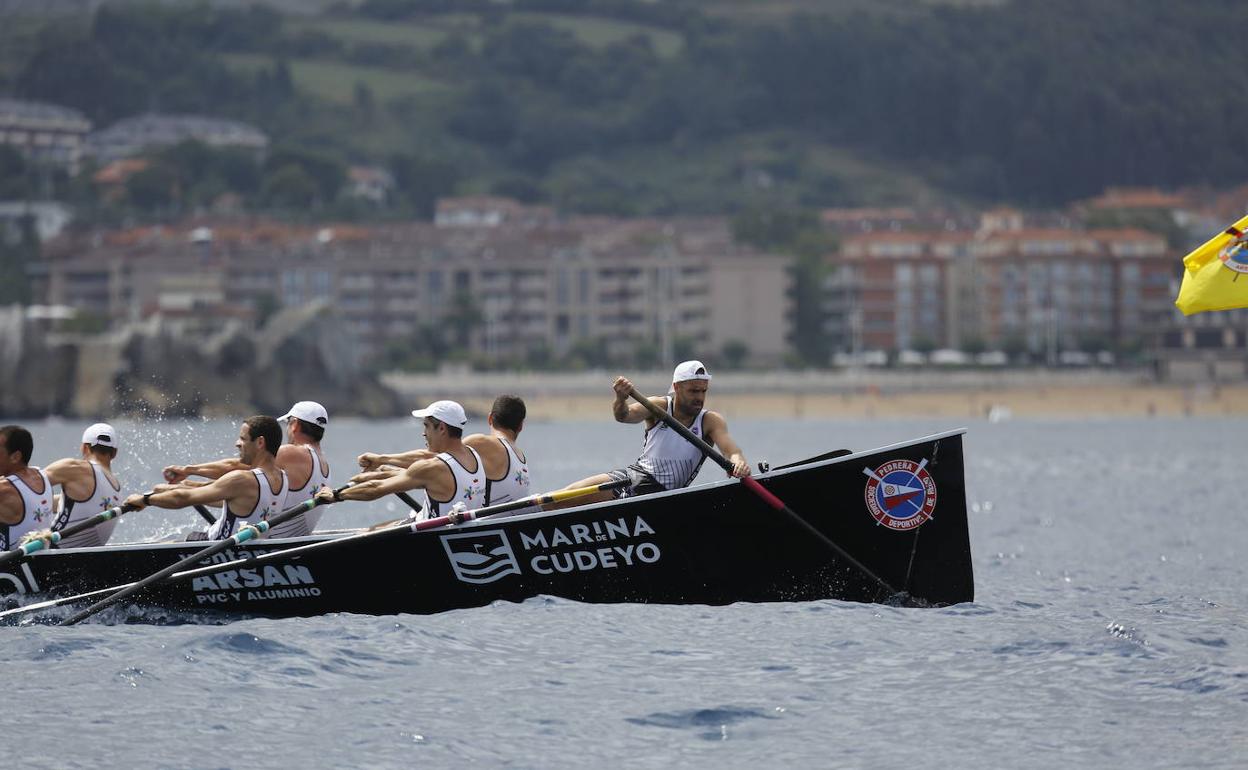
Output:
[[257, 490], [25, 491], [301, 458], [453, 478], [506, 468], [667, 460], [88, 487]]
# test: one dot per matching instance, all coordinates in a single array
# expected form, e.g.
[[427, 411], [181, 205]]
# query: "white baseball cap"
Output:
[[448, 412], [100, 434], [308, 411], [690, 370]]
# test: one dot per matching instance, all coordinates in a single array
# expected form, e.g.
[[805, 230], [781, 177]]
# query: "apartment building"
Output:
[[503, 290], [899, 291], [139, 133], [46, 134], [1004, 286]]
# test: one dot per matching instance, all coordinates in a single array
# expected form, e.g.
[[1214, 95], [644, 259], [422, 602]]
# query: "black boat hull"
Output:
[[900, 511]]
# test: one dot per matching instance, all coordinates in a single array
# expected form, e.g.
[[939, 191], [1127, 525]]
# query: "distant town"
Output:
[[496, 283]]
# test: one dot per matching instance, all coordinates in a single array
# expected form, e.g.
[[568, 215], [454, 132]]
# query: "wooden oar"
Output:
[[406, 498], [248, 532], [758, 489], [405, 528], [27, 548]]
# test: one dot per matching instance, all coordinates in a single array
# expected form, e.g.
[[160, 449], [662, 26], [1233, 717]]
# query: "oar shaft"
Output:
[[26, 549], [558, 496], [397, 530], [758, 489], [246, 533], [409, 501], [178, 572]]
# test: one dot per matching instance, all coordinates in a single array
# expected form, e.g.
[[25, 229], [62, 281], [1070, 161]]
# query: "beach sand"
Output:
[[1090, 401]]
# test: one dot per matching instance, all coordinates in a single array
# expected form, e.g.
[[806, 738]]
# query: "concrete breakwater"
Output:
[[162, 367]]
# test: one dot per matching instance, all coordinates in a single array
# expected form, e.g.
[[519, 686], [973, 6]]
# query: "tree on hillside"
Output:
[[156, 188], [19, 248], [15, 177], [421, 181], [326, 172], [290, 186]]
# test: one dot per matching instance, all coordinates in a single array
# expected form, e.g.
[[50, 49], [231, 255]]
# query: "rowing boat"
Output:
[[898, 513]]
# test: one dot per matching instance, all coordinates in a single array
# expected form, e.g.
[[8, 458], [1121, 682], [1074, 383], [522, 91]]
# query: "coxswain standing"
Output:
[[88, 487], [667, 460], [506, 468], [25, 491], [247, 496], [301, 457]]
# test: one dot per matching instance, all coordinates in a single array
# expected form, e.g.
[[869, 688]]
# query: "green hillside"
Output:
[[633, 106], [335, 81]]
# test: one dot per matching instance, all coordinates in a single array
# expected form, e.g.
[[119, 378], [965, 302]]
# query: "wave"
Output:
[[472, 560], [495, 569]]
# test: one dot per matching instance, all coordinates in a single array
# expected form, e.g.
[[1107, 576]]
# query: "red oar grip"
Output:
[[762, 492]]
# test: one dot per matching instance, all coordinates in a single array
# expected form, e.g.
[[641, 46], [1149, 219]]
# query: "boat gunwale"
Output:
[[252, 546]]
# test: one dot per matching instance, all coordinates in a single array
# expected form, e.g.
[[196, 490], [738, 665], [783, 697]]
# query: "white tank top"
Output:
[[269, 503], [73, 511], [514, 484], [303, 525], [36, 510], [668, 457], [469, 487]]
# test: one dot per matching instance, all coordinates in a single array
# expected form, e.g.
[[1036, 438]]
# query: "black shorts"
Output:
[[639, 482]]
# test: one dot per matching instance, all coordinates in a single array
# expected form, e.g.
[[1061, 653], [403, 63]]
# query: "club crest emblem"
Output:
[[473, 491], [481, 557], [900, 494], [1234, 255]]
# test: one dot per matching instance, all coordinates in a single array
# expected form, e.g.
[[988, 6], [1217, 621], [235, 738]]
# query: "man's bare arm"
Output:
[[212, 470], [717, 434], [10, 504], [415, 476], [371, 461], [385, 473], [627, 411], [228, 486], [67, 469], [72, 475]]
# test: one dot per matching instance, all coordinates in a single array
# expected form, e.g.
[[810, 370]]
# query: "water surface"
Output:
[[1109, 631]]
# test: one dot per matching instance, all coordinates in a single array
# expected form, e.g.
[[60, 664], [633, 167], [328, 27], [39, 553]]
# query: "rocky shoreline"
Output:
[[163, 368]]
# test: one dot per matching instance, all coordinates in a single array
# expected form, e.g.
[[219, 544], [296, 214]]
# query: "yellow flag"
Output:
[[1215, 276]]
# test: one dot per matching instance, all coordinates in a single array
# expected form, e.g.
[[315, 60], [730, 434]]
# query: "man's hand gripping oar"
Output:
[[41, 540]]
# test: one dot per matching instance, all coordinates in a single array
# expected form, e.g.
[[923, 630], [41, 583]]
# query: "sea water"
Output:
[[1109, 630]]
